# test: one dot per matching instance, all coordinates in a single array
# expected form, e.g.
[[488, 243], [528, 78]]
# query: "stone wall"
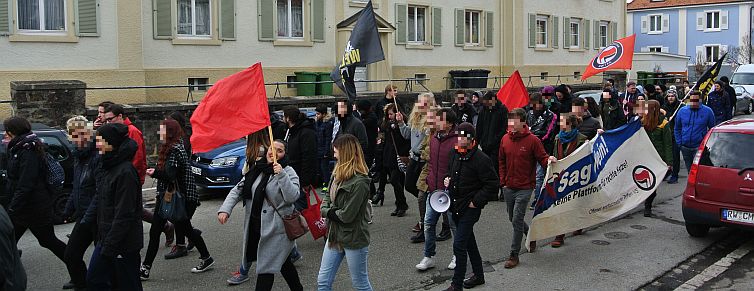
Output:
[[50, 102]]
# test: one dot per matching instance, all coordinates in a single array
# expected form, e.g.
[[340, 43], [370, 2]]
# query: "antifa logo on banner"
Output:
[[644, 178], [608, 56]]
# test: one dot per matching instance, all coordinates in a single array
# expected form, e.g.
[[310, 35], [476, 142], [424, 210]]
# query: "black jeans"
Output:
[[412, 176], [265, 281], [185, 226], [45, 235], [115, 273], [676, 159], [82, 236], [650, 199], [397, 179], [464, 244]]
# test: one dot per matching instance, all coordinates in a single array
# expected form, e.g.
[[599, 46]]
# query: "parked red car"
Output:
[[720, 189]]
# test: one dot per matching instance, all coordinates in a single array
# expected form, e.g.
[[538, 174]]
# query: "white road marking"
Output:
[[717, 268]]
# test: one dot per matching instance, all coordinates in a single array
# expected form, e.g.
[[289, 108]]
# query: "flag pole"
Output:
[[272, 142]]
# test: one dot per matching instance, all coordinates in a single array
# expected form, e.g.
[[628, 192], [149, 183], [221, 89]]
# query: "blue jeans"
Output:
[[464, 243], [540, 180], [688, 156], [430, 230], [357, 267], [517, 201]]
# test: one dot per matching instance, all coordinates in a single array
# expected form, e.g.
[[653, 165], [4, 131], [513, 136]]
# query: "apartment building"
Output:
[[179, 42]]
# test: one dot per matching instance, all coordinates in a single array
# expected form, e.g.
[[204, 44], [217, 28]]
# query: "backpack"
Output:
[[55, 173]]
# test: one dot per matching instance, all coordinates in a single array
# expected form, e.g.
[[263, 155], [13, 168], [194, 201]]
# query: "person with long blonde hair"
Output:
[[347, 211], [416, 131]]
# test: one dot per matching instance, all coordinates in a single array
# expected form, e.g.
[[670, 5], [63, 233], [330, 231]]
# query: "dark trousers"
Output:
[[412, 177], [688, 156], [397, 179], [650, 199], [81, 238], [185, 226], [115, 273], [265, 281], [45, 235], [492, 153], [676, 159], [464, 245]]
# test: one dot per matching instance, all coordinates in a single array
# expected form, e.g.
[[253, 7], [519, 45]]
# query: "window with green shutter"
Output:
[[265, 17], [228, 19], [566, 32], [532, 30], [318, 20], [401, 12], [436, 26], [4, 21], [86, 15], [490, 23], [162, 19], [460, 26], [555, 31], [587, 34]]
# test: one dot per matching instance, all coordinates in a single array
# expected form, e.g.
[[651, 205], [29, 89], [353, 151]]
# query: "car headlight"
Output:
[[224, 162]]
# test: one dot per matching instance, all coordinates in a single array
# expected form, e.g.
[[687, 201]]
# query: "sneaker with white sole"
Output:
[[144, 272], [452, 264], [204, 265], [238, 278], [426, 264]]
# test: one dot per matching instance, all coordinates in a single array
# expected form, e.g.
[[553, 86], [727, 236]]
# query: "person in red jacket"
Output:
[[114, 113], [520, 152]]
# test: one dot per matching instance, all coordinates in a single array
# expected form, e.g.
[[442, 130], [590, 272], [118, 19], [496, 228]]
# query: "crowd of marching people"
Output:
[[477, 151]]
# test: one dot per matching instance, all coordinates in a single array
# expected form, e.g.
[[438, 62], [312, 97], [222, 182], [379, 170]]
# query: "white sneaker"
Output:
[[426, 264], [452, 264]]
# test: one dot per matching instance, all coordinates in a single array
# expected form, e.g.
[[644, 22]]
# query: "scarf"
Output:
[[568, 136], [463, 150], [263, 169]]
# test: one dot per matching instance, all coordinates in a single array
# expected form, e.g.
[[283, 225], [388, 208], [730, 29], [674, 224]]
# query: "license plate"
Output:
[[738, 216], [196, 171]]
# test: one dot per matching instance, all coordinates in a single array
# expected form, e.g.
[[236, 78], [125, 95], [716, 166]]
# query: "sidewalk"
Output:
[[620, 255]]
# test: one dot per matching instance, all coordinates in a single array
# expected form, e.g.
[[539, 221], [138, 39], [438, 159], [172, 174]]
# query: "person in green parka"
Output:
[[660, 134]]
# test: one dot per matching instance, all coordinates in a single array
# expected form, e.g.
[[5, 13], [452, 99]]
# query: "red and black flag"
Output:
[[363, 48]]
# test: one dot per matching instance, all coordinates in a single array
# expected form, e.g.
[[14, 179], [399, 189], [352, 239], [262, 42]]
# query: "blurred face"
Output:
[[392, 93], [694, 101], [342, 109], [641, 108], [102, 146], [671, 98], [109, 117], [163, 133], [578, 110], [537, 105], [440, 123], [463, 142], [81, 137], [565, 125], [488, 103], [606, 96], [515, 124], [422, 104], [461, 99], [279, 150], [432, 119], [631, 89]]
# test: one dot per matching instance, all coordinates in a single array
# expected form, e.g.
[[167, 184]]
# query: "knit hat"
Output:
[[466, 129], [548, 90], [114, 133], [673, 91]]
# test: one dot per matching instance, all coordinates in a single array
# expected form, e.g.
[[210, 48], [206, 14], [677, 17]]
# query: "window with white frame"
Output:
[[603, 34], [713, 20], [575, 32], [711, 53], [541, 32], [655, 49], [290, 18], [194, 18], [655, 23], [41, 15], [416, 23], [472, 32]]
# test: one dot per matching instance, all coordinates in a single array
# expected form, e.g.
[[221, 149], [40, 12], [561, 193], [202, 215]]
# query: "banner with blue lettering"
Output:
[[603, 179]]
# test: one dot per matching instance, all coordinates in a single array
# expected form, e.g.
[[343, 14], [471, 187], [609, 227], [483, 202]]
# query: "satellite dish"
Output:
[[440, 201]]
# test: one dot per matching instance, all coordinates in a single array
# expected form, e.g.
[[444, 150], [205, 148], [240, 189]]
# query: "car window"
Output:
[[728, 150], [742, 79], [55, 147]]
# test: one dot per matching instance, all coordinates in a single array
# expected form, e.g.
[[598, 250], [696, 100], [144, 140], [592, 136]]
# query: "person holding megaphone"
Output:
[[471, 182]]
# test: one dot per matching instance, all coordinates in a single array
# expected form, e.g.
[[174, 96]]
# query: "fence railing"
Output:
[[498, 81]]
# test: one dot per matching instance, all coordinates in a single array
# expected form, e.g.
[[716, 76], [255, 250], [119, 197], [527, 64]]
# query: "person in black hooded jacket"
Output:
[[492, 125], [119, 228], [564, 98], [394, 146], [463, 109], [30, 205], [346, 123], [611, 111], [302, 149]]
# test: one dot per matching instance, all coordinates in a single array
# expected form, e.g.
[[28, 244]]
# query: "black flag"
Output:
[[363, 48], [705, 82]]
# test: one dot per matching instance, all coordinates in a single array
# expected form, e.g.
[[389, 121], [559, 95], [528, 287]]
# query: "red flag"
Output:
[[233, 108], [617, 55], [513, 94]]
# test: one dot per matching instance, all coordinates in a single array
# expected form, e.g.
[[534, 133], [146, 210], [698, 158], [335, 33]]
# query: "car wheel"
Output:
[[697, 230], [750, 109]]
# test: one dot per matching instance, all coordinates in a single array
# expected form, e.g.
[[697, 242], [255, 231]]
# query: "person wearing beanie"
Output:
[[718, 101], [549, 100], [563, 96], [731, 94], [670, 107], [476, 101], [116, 257], [471, 183]]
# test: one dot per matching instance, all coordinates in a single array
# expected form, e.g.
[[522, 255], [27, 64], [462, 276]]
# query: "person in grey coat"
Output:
[[265, 240]]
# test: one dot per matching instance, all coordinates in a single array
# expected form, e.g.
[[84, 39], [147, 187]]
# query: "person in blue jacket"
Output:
[[691, 125], [718, 101]]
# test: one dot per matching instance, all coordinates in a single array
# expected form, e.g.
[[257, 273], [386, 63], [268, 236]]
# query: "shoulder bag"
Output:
[[295, 224]]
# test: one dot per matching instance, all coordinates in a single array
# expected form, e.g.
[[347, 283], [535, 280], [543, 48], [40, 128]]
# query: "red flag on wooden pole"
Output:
[[514, 94], [233, 108]]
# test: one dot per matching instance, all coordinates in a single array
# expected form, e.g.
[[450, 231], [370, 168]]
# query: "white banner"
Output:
[[603, 179]]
